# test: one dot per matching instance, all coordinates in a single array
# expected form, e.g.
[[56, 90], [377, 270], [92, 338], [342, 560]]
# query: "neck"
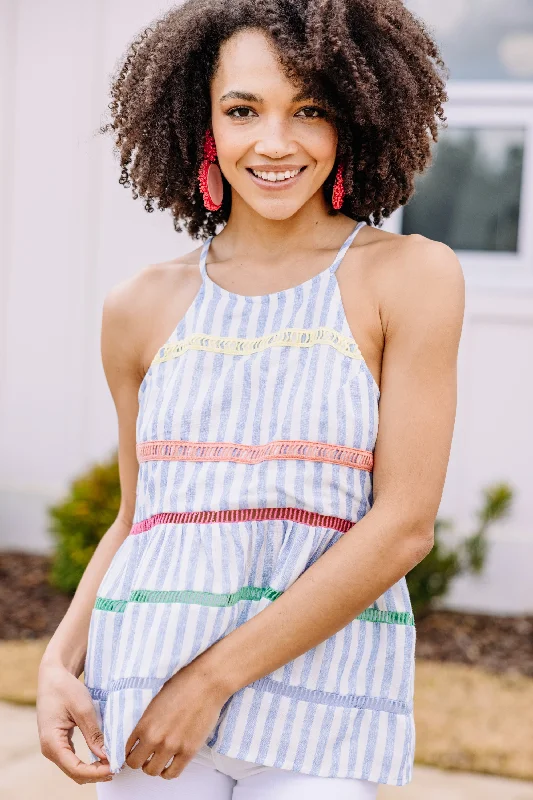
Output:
[[310, 228]]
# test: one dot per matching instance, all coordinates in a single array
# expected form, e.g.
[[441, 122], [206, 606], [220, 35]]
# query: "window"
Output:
[[477, 194], [469, 197]]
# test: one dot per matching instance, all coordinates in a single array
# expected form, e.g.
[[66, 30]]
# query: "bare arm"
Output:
[[417, 415], [62, 700], [68, 644]]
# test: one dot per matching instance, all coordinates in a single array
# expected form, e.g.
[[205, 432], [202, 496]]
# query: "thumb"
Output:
[[88, 724]]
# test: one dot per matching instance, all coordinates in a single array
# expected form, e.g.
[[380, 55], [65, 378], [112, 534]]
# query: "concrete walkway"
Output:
[[25, 774]]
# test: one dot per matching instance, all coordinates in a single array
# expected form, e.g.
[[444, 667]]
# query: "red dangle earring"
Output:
[[210, 176], [338, 188]]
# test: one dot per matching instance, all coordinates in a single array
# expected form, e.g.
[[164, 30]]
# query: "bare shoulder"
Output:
[[429, 259], [140, 287], [138, 311], [428, 283], [410, 255], [149, 283], [413, 277]]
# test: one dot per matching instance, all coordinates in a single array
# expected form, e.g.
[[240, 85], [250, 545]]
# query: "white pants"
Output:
[[212, 776]]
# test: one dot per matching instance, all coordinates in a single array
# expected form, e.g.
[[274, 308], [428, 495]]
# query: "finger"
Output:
[[132, 741], [158, 762], [139, 754], [78, 770], [85, 719], [177, 766], [58, 749]]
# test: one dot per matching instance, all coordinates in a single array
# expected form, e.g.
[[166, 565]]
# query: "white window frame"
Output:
[[497, 105]]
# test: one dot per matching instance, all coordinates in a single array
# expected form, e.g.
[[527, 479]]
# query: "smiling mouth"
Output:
[[273, 177]]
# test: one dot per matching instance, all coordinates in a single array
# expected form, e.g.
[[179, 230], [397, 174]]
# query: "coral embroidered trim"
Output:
[[159, 450], [245, 593], [289, 337], [267, 684], [300, 515]]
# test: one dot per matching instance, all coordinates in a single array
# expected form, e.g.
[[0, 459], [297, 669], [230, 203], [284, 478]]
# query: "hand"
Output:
[[63, 702], [176, 723]]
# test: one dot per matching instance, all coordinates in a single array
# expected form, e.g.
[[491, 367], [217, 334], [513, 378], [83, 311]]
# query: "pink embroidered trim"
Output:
[[243, 515], [253, 454]]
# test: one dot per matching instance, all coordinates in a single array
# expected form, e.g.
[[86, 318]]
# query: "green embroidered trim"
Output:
[[289, 337], [203, 598], [105, 604], [376, 615], [245, 593]]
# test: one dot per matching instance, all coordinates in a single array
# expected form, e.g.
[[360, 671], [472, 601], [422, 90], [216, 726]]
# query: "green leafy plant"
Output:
[[431, 578], [80, 521]]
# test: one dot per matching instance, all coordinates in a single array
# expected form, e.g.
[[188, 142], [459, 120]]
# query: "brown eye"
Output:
[[237, 108], [316, 112]]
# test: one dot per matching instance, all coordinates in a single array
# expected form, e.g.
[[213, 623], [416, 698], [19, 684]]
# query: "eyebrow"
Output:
[[253, 98]]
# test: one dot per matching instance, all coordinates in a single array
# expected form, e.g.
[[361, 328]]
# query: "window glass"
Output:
[[482, 39], [469, 197]]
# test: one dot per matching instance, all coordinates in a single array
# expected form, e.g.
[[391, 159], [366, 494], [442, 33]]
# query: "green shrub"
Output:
[[431, 577], [91, 506], [79, 522]]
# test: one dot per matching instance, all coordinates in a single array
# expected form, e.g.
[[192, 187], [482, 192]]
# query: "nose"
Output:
[[275, 141]]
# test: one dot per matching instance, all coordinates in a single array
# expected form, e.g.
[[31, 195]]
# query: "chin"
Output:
[[279, 211]]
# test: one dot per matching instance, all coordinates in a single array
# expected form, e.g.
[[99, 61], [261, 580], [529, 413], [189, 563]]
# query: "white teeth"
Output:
[[276, 176]]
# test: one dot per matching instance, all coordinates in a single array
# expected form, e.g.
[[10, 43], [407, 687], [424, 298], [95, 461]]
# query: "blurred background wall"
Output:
[[69, 232]]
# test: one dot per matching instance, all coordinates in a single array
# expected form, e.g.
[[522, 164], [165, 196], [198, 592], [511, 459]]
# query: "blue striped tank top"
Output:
[[255, 436]]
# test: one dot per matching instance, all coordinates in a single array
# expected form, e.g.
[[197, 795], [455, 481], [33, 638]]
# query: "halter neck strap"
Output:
[[338, 258], [346, 245]]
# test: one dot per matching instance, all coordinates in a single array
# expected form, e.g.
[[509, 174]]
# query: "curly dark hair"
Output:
[[373, 64]]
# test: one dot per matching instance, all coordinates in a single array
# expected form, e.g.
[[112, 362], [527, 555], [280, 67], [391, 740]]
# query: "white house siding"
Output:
[[69, 232]]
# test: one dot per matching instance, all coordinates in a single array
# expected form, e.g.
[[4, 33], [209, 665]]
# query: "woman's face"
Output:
[[263, 122]]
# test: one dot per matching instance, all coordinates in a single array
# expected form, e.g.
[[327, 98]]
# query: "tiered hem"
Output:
[[316, 733]]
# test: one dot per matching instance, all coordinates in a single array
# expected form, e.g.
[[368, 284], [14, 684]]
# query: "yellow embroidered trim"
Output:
[[289, 337]]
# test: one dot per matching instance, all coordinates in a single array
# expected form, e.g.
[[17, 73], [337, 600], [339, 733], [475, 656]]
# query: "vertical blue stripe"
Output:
[[279, 393]]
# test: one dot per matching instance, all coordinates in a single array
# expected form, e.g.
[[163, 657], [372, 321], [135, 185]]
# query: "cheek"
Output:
[[321, 144], [232, 140]]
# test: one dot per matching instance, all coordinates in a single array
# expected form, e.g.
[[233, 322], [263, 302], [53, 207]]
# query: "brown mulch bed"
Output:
[[30, 608], [501, 644]]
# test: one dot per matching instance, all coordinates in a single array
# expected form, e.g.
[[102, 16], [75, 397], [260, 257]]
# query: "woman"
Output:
[[244, 627]]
